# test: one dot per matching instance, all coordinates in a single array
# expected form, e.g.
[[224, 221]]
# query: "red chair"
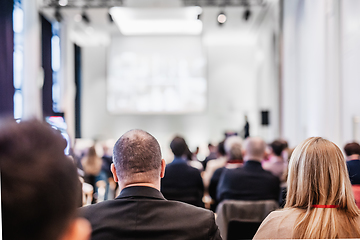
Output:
[[356, 191]]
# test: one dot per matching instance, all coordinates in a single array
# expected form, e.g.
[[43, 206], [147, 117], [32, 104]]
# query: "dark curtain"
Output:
[[47, 100], [78, 91], [6, 58]]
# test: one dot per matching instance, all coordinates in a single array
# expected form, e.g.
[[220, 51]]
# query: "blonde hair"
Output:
[[318, 175]]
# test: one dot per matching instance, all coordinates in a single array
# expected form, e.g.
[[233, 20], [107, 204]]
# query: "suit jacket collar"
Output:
[[252, 164], [179, 160], [140, 192]]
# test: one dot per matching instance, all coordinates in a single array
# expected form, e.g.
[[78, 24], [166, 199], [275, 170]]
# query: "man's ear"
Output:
[[163, 165], [113, 171], [79, 229]]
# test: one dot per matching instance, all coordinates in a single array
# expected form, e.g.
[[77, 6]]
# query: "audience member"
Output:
[[320, 202], [352, 151], [192, 159], [233, 149], [91, 163], [181, 181], [214, 164], [105, 173], [141, 211], [250, 182], [40, 189], [212, 155], [276, 163]]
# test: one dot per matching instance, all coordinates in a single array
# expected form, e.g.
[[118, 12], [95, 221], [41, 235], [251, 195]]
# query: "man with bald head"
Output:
[[141, 211], [250, 182]]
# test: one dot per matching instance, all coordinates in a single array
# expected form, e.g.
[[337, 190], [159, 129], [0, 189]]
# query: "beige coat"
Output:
[[279, 224]]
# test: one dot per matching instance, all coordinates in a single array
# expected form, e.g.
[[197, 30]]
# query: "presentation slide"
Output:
[[156, 75]]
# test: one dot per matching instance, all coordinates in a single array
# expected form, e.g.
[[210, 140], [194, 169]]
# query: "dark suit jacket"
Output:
[[183, 183], [143, 213], [250, 182], [354, 171]]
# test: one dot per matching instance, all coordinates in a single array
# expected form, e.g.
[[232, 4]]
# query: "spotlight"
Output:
[[247, 14], [85, 17], [221, 18], [63, 3], [58, 15]]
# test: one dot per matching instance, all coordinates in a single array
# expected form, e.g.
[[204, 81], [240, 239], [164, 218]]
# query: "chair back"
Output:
[[242, 229], [243, 211]]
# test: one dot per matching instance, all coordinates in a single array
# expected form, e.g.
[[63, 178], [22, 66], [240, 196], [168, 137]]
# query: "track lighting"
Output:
[[63, 3], [221, 18]]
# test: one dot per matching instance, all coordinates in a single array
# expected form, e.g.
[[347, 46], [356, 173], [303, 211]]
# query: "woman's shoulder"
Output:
[[278, 224]]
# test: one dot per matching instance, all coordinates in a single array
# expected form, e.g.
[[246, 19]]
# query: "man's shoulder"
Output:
[[89, 209], [157, 204], [353, 163]]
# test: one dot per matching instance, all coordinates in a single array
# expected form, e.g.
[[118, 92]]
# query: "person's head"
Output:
[[318, 176], [352, 150], [178, 146], [277, 147], [137, 159], [233, 148], [212, 148], [92, 152], [254, 149], [40, 189], [221, 148]]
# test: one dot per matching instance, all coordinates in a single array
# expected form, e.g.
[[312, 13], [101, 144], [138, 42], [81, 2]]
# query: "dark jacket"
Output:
[[250, 182], [143, 213], [354, 171], [183, 183]]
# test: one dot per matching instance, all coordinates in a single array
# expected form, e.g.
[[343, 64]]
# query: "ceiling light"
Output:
[[63, 3], [155, 21], [221, 18]]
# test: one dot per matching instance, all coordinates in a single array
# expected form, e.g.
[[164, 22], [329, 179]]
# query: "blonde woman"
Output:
[[320, 202]]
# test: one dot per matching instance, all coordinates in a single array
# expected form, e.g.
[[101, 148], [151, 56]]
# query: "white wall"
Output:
[[233, 75], [320, 69], [350, 68]]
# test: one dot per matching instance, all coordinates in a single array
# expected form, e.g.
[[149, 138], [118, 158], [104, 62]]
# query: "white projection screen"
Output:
[[156, 75]]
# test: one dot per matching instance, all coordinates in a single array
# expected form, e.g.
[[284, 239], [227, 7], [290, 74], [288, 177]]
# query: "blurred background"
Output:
[[199, 68]]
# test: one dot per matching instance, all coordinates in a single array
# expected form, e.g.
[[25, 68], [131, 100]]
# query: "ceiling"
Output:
[[147, 3]]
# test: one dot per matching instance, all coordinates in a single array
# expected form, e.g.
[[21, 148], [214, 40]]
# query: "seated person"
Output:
[[276, 163], [214, 164], [320, 203], [352, 151], [141, 211], [40, 189], [251, 181], [181, 181], [233, 149]]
